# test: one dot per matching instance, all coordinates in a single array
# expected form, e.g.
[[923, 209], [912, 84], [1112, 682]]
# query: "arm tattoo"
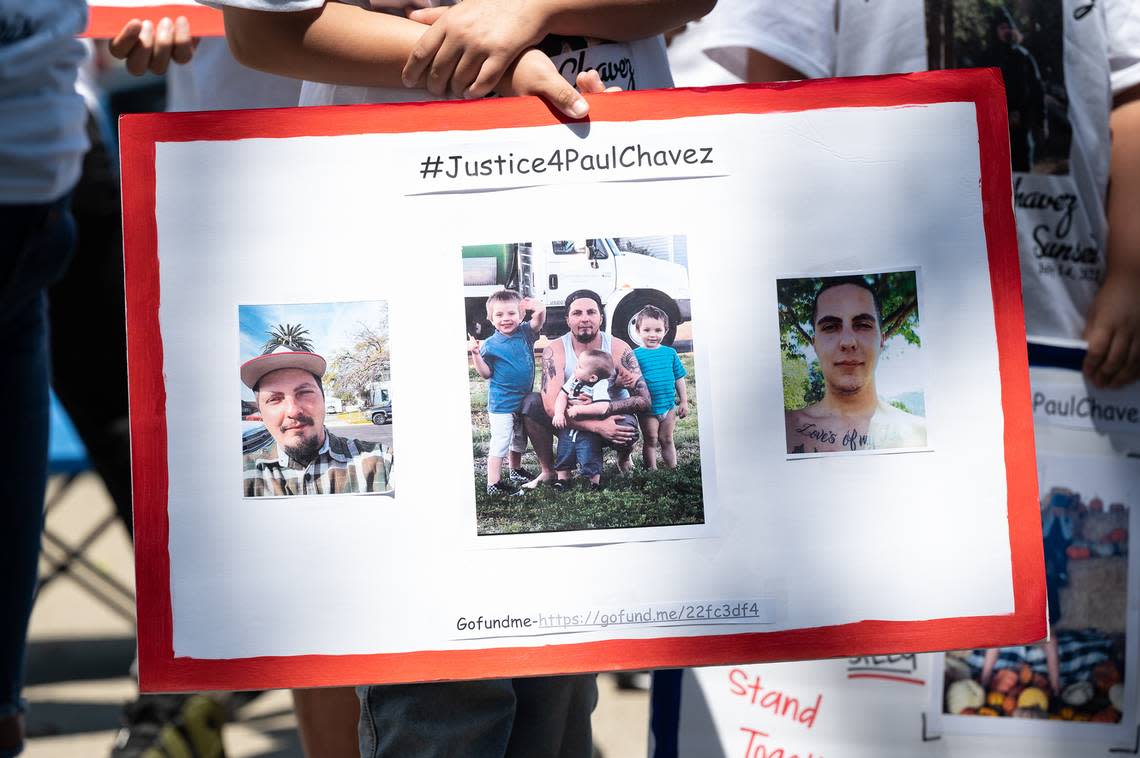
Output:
[[548, 371], [639, 401], [629, 362]]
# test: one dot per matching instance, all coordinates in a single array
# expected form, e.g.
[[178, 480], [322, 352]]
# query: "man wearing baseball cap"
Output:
[[306, 458]]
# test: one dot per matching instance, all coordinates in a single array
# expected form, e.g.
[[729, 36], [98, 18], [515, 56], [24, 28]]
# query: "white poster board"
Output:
[[747, 550]]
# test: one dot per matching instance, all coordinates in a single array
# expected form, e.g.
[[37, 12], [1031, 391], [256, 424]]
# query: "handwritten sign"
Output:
[[891, 668]]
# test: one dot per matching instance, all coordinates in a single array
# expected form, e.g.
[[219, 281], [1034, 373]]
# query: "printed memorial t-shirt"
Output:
[[1061, 61]]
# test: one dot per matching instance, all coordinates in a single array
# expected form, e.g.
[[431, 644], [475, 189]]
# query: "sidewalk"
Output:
[[80, 653]]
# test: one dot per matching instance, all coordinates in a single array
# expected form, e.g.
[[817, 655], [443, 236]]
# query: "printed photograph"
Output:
[[850, 353], [583, 387], [1023, 38], [1081, 674], [316, 406]]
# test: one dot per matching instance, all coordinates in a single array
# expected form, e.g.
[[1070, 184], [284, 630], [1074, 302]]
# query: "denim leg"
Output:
[[588, 449], [553, 716], [34, 250], [565, 460], [493, 718], [436, 719]]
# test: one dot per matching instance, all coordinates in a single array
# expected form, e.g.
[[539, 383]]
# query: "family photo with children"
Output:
[[575, 428]]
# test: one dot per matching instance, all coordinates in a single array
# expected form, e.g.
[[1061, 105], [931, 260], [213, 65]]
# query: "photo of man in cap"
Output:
[[305, 458]]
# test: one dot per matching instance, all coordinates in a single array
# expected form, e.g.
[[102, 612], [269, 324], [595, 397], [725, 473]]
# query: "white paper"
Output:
[[816, 542]]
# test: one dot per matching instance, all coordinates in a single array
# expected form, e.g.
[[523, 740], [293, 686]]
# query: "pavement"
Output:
[[81, 650]]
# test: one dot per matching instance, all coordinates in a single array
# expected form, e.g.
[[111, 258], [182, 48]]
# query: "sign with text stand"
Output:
[[752, 227]]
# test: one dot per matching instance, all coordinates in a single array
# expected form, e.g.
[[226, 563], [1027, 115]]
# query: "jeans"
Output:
[[581, 448], [35, 247], [545, 716]]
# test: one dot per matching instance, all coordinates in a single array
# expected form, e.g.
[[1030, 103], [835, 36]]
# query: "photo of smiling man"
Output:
[[311, 427], [852, 372]]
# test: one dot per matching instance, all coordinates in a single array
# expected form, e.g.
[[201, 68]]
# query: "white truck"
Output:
[[549, 270]]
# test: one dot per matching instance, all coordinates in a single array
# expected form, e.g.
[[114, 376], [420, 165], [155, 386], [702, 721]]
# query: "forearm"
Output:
[[592, 410], [481, 366], [337, 43], [1123, 221], [620, 20], [639, 401], [537, 320], [682, 391]]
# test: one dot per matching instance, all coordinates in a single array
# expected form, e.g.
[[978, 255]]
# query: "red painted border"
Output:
[[105, 21], [160, 670]]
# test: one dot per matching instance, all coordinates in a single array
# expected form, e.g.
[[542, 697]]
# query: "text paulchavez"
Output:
[[563, 160]]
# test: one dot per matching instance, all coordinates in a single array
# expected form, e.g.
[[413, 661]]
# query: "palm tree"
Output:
[[292, 336]]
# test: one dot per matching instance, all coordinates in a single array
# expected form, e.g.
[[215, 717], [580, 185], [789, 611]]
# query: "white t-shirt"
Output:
[[640, 64], [214, 81], [713, 50], [42, 117], [1062, 60]]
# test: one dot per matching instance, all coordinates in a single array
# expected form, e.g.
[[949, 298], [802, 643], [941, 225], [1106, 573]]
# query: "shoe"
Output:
[[165, 726], [595, 487], [561, 485], [503, 488], [520, 476]]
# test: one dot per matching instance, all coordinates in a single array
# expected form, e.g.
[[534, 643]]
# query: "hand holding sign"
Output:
[[147, 46], [1113, 333], [470, 46]]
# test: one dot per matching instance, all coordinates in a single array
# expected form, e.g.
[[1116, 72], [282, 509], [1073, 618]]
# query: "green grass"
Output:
[[639, 499]]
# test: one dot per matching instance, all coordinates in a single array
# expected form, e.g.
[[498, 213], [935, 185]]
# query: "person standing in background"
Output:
[[42, 142], [1079, 244]]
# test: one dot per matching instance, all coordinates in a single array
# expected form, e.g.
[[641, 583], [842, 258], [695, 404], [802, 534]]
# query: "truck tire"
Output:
[[477, 324], [379, 418], [623, 327]]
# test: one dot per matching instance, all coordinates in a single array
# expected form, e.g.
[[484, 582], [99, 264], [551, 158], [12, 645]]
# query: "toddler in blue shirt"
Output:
[[506, 358], [665, 376]]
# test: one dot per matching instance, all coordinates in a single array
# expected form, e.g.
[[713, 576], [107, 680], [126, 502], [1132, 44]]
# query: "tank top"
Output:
[[616, 392]]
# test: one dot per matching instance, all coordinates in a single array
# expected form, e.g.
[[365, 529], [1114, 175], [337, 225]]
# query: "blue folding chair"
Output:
[[67, 461]]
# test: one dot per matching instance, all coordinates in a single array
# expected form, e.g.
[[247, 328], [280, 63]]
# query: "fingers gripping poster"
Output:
[[693, 382]]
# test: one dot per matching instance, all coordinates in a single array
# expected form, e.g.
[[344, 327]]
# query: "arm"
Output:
[[538, 315], [629, 377], [679, 386], [477, 361], [1113, 329], [560, 403], [620, 20], [682, 393], [553, 366], [336, 43], [344, 44], [471, 44], [599, 409]]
